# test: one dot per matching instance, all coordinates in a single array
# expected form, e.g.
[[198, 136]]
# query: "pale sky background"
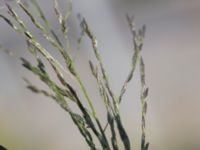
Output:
[[172, 56]]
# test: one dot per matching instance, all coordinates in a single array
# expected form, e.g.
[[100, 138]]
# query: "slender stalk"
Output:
[[32, 40], [63, 20], [107, 104], [122, 132], [59, 98], [66, 56], [86, 120], [138, 43], [143, 96], [47, 25], [99, 59]]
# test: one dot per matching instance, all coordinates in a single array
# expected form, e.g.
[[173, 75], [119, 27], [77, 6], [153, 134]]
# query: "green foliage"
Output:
[[87, 121]]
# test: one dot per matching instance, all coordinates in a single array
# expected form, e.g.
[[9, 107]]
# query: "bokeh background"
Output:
[[172, 58]]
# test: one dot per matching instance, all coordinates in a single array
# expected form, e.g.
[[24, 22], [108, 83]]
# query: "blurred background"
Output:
[[171, 55]]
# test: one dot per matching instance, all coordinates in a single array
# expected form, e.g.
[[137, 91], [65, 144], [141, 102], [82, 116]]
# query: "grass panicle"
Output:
[[121, 129], [87, 121]]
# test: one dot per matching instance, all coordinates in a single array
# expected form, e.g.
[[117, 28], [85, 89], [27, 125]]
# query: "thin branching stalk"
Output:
[[28, 35], [59, 98], [122, 132], [87, 121], [137, 42], [47, 25], [143, 96], [63, 20], [66, 57], [110, 111], [91, 36], [55, 64], [138, 39]]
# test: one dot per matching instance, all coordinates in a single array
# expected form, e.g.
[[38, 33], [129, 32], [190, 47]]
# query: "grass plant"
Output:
[[87, 121]]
